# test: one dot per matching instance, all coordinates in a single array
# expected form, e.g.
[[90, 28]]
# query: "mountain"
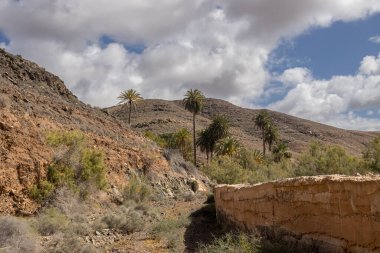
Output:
[[161, 116], [34, 102]]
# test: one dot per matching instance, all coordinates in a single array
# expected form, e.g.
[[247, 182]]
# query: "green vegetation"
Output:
[[269, 131], [75, 166], [232, 243], [209, 137], [320, 159], [180, 140], [130, 98], [42, 191], [372, 155], [137, 189], [193, 102]]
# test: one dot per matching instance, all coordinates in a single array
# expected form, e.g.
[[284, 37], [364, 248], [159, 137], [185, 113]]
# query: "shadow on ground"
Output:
[[203, 228]]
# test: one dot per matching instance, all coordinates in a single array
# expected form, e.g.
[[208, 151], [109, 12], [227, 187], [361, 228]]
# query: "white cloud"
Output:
[[335, 101], [375, 39], [295, 76], [370, 65], [219, 46]]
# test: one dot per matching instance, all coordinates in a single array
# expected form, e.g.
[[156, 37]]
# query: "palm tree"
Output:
[[228, 146], [130, 98], [205, 143], [271, 135], [182, 139], [219, 128], [262, 121], [193, 102], [281, 151]]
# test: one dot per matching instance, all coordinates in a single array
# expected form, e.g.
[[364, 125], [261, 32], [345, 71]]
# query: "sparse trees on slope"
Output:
[[193, 102], [130, 98], [208, 138]]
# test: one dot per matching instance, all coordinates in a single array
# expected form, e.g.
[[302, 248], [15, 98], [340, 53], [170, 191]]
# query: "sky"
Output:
[[318, 60]]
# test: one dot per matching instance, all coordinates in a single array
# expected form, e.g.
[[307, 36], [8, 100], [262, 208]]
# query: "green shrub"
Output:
[[16, 236], [323, 160], [71, 139], [137, 189], [157, 139], [226, 170], [42, 191], [93, 167], [372, 155], [61, 175], [76, 166], [51, 221], [232, 243]]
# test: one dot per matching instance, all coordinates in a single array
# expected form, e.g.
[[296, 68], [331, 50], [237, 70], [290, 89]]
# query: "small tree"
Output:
[[262, 122], [130, 98], [193, 102]]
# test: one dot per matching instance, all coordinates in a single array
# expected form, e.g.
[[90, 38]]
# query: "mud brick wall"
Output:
[[330, 213]]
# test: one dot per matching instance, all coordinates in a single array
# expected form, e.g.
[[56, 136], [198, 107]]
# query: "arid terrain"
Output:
[[34, 102]]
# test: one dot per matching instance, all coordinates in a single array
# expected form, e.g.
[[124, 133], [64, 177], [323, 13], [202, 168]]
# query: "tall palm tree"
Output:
[[262, 121], [193, 102], [205, 143], [130, 98]]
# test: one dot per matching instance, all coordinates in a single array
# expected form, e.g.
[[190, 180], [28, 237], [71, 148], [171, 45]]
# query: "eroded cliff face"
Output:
[[327, 213]]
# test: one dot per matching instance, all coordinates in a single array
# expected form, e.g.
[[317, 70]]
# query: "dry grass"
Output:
[[16, 236]]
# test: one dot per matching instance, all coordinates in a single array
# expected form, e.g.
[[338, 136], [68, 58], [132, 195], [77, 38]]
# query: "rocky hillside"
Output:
[[162, 116], [34, 102]]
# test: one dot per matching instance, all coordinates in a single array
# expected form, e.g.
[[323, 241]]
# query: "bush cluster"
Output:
[[137, 189], [75, 165]]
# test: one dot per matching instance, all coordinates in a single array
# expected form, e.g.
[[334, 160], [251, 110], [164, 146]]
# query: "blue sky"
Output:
[[311, 59], [335, 50]]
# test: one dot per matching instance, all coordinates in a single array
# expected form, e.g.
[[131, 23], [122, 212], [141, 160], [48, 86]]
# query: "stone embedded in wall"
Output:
[[334, 213]]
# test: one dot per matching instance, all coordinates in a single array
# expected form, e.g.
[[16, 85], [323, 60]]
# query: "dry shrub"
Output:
[[61, 243], [126, 221], [51, 221], [16, 236], [5, 102]]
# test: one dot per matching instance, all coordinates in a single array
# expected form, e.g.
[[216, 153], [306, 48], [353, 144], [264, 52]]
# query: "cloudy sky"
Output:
[[314, 59]]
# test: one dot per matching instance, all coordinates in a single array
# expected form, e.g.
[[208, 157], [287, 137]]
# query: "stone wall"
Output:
[[319, 214]]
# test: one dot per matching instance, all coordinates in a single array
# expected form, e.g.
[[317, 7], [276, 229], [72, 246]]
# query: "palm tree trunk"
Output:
[[207, 157], [129, 115], [263, 142], [194, 146]]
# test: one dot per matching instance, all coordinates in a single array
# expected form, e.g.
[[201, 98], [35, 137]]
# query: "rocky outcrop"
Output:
[[323, 213], [34, 102]]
